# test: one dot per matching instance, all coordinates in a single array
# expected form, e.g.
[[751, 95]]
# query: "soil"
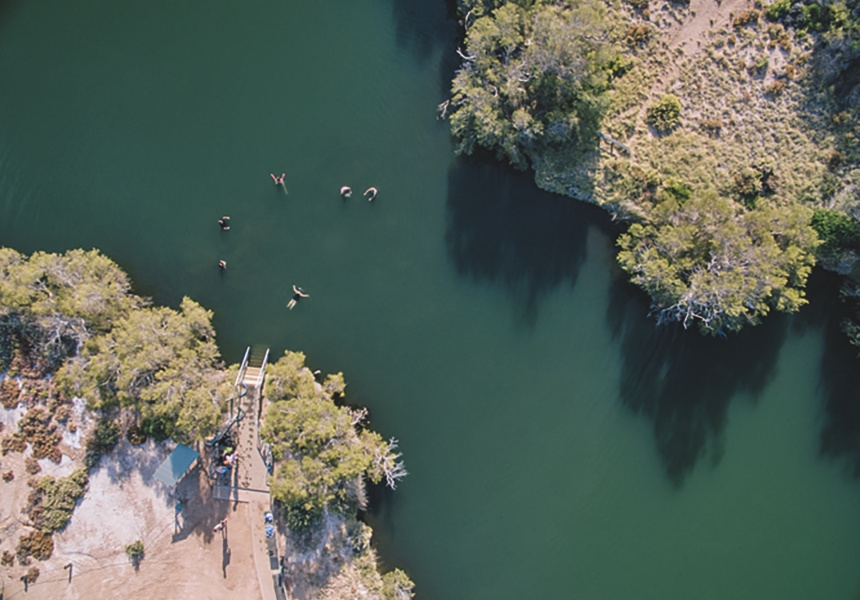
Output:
[[183, 556]]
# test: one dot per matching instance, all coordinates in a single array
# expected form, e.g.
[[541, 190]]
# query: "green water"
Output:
[[558, 446]]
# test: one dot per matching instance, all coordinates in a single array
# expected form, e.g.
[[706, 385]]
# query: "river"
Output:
[[559, 446]]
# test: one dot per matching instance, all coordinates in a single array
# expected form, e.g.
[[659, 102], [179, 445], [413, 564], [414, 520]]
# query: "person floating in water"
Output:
[[346, 191], [278, 180], [372, 193], [222, 264], [224, 222], [299, 294]]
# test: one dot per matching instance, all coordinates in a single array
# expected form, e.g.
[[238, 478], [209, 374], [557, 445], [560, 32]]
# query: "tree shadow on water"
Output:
[[423, 27], [839, 378], [502, 229], [684, 381]]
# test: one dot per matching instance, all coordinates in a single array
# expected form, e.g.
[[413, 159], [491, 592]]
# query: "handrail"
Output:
[[243, 366], [262, 373]]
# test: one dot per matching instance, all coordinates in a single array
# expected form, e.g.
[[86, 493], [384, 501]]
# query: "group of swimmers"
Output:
[[370, 192]]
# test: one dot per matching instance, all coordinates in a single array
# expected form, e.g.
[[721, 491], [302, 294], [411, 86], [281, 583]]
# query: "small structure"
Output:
[[176, 465]]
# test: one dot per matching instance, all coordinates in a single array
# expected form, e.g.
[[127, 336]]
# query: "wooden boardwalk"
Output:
[[250, 483]]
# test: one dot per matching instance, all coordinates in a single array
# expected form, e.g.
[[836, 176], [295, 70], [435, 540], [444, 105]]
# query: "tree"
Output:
[[709, 262], [321, 457], [533, 76], [57, 302], [161, 363]]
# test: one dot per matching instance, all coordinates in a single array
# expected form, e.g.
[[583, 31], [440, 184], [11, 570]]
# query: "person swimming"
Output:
[[346, 191], [299, 294], [222, 264], [372, 192], [224, 222], [278, 180]]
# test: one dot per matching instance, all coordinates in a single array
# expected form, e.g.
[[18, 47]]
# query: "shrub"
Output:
[[775, 88], [52, 502], [32, 575], [9, 393], [711, 125], [136, 435], [135, 552], [8, 559], [8, 476], [747, 185], [637, 35], [665, 114], [777, 10], [836, 230], [31, 465], [37, 544], [102, 441], [745, 18]]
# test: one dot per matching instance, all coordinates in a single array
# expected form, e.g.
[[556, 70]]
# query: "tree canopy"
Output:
[[533, 76], [705, 260], [322, 456], [162, 363]]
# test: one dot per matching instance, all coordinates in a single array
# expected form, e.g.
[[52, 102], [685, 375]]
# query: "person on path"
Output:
[[220, 525], [299, 294]]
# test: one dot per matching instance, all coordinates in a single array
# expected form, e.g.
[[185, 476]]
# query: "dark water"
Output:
[[559, 445]]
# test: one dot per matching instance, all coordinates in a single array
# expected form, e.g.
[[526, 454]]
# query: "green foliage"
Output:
[[534, 77], [665, 114], [836, 230], [54, 500], [777, 10], [102, 441], [709, 263], [396, 585], [135, 550], [321, 457], [160, 362]]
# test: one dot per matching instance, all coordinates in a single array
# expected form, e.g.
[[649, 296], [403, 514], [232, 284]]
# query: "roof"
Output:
[[176, 465]]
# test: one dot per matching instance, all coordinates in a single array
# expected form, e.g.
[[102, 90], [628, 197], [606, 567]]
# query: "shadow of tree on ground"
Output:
[[684, 381], [503, 230]]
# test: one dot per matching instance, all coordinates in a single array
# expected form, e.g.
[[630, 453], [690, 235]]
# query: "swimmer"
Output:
[[372, 192], [346, 191], [224, 222], [222, 264], [299, 294], [278, 180]]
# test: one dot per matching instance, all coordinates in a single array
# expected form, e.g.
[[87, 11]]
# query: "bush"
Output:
[[102, 441], [836, 230], [637, 35], [135, 552], [32, 575], [775, 88], [665, 114], [777, 10], [37, 544], [52, 502], [31, 465], [745, 18], [8, 559]]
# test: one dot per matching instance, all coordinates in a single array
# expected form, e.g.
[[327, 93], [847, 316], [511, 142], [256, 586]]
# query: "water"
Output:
[[559, 446]]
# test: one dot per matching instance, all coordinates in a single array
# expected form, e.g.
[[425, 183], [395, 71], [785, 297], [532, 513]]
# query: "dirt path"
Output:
[[184, 557], [685, 40]]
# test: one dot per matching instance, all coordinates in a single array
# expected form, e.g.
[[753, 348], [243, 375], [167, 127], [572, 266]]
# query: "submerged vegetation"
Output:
[[733, 151]]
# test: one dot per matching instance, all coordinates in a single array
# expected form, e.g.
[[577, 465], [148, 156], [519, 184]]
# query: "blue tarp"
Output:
[[176, 465]]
